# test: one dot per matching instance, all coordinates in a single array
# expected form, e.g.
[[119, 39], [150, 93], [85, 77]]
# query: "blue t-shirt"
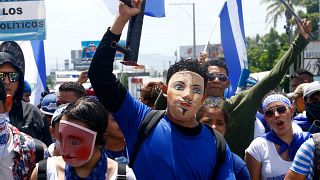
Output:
[[167, 153], [240, 168]]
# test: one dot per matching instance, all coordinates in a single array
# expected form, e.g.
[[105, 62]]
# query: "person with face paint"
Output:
[[83, 156], [178, 147], [270, 156], [17, 150]]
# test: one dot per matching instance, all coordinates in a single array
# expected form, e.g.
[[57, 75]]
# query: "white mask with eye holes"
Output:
[[4, 133]]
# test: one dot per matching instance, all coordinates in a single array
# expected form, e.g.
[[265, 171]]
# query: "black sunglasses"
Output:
[[212, 76], [13, 76], [270, 112]]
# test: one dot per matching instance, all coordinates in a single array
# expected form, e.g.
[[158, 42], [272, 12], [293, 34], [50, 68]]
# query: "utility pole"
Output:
[[194, 23], [57, 66], [194, 31]]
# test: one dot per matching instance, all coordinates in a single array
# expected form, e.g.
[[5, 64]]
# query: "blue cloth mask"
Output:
[[313, 111]]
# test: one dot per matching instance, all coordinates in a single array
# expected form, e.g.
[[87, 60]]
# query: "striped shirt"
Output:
[[303, 161]]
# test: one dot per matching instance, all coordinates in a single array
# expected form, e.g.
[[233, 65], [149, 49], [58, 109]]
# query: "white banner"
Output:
[[22, 20], [22, 10]]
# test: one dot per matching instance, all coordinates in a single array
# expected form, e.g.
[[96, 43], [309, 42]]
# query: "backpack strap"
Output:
[[122, 172], [42, 170], [316, 160], [220, 151], [39, 149], [149, 122]]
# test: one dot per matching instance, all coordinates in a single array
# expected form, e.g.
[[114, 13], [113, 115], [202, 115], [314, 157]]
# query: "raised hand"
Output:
[[127, 11], [304, 28]]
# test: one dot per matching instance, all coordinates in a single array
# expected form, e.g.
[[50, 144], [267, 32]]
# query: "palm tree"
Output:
[[276, 9]]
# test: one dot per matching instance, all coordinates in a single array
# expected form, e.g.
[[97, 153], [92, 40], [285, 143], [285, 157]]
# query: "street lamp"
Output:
[[194, 23]]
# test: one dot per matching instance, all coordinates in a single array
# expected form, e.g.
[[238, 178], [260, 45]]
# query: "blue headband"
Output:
[[275, 98]]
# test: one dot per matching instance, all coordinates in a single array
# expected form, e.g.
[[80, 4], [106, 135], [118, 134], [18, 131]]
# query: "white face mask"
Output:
[[4, 134]]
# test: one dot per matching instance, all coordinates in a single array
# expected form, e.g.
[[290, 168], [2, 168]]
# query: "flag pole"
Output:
[[214, 25], [207, 43]]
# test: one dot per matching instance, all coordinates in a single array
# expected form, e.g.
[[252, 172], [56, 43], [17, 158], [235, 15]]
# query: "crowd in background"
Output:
[[183, 128]]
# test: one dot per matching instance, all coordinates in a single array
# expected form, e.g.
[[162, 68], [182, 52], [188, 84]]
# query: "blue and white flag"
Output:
[[154, 8], [233, 41], [22, 20], [35, 71]]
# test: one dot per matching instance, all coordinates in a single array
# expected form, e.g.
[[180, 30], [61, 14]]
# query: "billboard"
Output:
[[22, 20], [213, 50], [311, 57], [88, 48]]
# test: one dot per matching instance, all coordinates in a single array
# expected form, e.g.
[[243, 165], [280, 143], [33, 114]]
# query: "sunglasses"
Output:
[[222, 77], [13, 76], [270, 112]]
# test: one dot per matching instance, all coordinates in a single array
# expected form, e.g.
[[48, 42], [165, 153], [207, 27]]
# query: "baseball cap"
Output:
[[311, 88], [48, 104], [58, 113], [27, 87]]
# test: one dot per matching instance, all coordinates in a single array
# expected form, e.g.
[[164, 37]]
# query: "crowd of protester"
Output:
[[175, 130]]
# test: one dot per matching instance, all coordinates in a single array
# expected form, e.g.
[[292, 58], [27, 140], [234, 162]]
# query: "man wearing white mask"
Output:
[[18, 154]]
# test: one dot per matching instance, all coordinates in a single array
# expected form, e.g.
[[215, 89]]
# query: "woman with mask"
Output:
[[82, 142], [270, 156]]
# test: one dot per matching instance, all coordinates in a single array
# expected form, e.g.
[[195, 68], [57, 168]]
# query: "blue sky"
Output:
[[69, 23]]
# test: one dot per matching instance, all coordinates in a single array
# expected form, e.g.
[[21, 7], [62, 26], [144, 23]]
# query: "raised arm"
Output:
[[272, 80], [243, 107], [107, 88]]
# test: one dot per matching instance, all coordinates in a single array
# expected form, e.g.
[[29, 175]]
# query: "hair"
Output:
[[303, 74], [150, 93], [3, 94], [205, 106], [77, 88], [192, 65], [217, 62], [92, 113]]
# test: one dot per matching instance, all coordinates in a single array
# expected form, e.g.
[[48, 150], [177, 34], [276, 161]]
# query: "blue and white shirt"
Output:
[[303, 161]]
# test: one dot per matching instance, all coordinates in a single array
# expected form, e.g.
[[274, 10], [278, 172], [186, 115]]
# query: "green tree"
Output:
[[312, 14], [276, 9], [263, 52], [50, 81]]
